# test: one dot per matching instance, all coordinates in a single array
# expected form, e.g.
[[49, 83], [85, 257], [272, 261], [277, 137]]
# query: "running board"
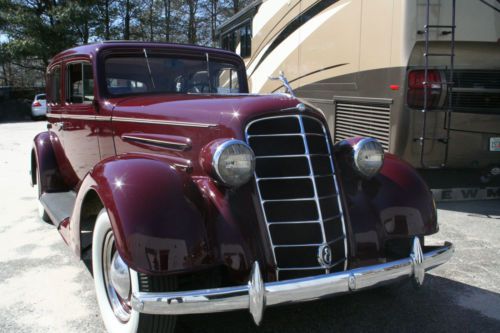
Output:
[[466, 193], [59, 205]]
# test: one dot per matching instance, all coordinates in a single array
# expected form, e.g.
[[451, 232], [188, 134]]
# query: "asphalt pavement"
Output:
[[44, 288]]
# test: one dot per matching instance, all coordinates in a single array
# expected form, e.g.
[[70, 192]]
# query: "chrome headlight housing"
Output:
[[368, 156], [233, 163]]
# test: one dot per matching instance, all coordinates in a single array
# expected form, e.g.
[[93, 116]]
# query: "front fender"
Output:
[[395, 204], [154, 213]]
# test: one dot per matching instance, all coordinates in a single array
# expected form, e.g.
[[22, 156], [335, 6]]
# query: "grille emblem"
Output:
[[301, 107], [325, 255]]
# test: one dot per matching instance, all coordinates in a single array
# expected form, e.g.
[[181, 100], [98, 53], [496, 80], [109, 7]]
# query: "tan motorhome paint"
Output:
[[347, 56]]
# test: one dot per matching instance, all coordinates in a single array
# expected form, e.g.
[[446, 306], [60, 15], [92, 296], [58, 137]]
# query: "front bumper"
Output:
[[257, 295]]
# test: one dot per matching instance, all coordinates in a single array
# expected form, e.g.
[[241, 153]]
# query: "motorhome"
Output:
[[420, 76]]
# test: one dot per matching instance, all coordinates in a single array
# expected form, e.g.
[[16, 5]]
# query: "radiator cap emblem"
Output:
[[325, 255]]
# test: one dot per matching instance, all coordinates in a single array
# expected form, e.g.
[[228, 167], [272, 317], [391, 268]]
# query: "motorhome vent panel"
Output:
[[475, 90], [356, 119]]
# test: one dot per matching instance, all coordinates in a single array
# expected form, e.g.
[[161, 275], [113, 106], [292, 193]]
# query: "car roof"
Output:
[[93, 49]]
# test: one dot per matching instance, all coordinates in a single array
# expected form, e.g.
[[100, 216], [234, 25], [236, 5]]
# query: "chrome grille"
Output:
[[362, 119], [298, 194]]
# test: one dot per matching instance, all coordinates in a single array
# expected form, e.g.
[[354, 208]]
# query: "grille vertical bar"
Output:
[[298, 194]]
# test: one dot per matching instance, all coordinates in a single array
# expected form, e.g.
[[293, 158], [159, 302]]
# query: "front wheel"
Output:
[[115, 283]]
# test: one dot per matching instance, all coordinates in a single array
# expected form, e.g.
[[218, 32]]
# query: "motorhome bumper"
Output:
[[257, 295]]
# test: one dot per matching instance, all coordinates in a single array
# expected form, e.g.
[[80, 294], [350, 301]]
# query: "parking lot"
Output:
[[44, 288]]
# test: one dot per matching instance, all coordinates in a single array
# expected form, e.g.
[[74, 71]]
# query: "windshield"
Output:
[[158, 73]]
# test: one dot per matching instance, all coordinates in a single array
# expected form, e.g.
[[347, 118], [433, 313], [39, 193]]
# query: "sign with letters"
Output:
[[467, 193]]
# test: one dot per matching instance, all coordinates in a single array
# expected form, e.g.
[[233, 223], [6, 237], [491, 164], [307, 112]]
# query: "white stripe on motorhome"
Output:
[[257, 59], [267, 11], [279, 55]]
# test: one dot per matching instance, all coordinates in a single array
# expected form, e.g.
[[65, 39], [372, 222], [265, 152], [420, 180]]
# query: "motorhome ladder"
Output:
[[448, 83]]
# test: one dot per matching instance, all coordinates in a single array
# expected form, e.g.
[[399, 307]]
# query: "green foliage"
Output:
[[39, 29]]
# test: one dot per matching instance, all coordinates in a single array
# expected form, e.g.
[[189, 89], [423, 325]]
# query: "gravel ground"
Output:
[[44, 288]]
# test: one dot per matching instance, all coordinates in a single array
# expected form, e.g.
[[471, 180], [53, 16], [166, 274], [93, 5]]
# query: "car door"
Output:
[[80, 131]]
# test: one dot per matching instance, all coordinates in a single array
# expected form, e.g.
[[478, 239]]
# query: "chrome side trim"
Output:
[[162, 122], [102, 118], [132, 120], [156, 142], [78, 117], [256, 295]]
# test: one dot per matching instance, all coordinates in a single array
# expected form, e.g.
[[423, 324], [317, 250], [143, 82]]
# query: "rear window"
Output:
[[157, 73], [40, 97]]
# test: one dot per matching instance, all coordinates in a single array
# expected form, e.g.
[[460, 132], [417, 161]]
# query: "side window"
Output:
[[79, 83], [54, 83]]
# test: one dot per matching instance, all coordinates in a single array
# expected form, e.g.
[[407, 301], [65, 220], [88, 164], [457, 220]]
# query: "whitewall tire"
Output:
[[113, 296]]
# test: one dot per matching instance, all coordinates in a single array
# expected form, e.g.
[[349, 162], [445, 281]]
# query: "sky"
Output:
[[3, 38]]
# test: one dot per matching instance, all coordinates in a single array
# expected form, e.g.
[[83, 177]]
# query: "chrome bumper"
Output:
[[257, 295]]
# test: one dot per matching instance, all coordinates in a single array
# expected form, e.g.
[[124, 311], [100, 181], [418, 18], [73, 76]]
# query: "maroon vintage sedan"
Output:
[[192, 196]]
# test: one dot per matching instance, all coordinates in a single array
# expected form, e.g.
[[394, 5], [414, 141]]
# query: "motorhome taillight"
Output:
[[416, 89]]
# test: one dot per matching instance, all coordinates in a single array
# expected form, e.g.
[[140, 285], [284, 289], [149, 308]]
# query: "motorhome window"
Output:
[[239, 40], [230, 41], [246, 40], [126, 75], [54, 78], [79, 83]]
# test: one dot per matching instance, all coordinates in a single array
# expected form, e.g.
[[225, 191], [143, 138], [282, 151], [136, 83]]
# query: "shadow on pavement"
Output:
[[483, 208], [441, 305]]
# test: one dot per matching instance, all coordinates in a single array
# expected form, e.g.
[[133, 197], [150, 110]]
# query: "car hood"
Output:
[[220, 110]]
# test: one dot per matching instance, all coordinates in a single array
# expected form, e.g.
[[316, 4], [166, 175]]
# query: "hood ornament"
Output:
[[284, 81]]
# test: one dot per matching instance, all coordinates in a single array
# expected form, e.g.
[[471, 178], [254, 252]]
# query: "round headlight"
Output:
[[368, 157], [234, 162]]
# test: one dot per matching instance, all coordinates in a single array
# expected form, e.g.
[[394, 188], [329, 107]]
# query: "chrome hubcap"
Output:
[[116, 279], [119, 276]]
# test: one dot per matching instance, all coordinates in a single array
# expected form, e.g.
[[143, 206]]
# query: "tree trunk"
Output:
[[236, 6], [106, 20], [167, 5], [213, 21], [193, 4], [86, 32], [151, 21], [126, 31], [4, 75]]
